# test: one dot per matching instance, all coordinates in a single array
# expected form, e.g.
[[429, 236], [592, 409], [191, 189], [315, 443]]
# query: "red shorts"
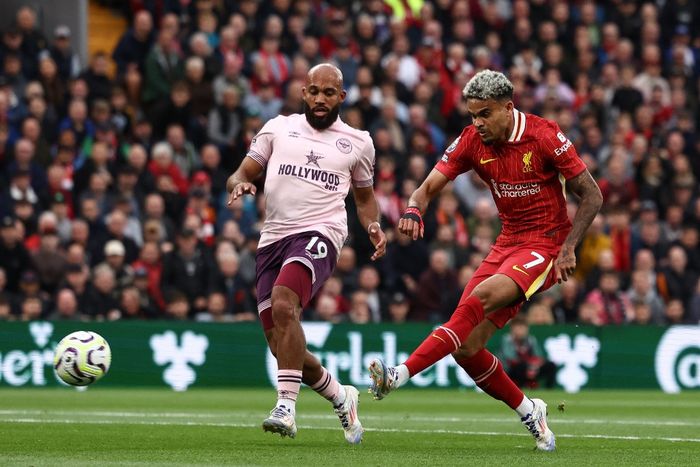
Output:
[[531, 267]]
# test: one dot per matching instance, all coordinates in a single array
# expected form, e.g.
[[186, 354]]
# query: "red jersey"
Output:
[[526, 176]]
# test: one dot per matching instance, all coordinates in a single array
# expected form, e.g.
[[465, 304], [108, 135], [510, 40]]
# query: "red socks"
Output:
[[448, 337], [488, 373], [484, 368]]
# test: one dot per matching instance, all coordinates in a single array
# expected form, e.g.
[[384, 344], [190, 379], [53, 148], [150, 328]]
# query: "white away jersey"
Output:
[[309, 174]]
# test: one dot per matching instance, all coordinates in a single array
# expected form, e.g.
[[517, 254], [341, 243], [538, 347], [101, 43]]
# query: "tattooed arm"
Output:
[[587, 189]]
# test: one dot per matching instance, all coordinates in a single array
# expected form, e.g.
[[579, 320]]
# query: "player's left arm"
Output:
[[587, 190], [368, 213]]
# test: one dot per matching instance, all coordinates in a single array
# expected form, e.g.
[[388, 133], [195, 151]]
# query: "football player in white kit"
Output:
[[311, 161]]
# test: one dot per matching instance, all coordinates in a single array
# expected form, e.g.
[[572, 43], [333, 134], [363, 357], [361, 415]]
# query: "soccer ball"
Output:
[[81, 358]]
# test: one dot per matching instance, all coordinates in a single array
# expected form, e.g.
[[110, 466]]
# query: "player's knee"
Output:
[[467, 350], [283, 312], [488, 298]]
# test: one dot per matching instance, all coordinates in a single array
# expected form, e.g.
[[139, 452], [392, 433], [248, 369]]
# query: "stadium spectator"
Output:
[[33, 40], [326, 309], [675, 312], [239, 304], [225, 121], [62, 53], [368, 281], [14, 257], [397, 309], [31, 308], [187, 269], [102, 301], [77, 279], [216, 310], [435, 290], [540, 313], [642, 291], [613, 306], [132, 305], [5, 309], [162, 68], [523, 357], [565, 309], [48, 259], [676, 281], [360, 311], [67, 307], [177, 306]]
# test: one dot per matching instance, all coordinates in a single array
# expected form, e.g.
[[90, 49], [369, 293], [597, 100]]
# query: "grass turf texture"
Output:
[[411, 427]]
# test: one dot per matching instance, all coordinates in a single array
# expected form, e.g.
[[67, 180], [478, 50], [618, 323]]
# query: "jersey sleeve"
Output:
[[363, 172], [261, 146], [561, 151], [454, 160]]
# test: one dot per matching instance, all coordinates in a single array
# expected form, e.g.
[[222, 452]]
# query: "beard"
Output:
[[321, 123]]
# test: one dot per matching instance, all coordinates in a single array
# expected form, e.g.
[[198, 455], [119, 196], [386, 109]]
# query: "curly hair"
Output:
[[488, 84]]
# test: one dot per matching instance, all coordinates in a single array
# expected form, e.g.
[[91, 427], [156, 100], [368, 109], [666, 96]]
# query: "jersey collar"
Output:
[[518, 126]]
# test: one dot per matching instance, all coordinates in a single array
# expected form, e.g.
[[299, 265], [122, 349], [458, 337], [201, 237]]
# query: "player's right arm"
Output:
[[452, 163], [412, 226], [241, 182], [255, 161]]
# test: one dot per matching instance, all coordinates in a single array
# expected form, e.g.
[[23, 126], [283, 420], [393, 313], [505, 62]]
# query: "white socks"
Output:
[[402, 375], [526, 407]]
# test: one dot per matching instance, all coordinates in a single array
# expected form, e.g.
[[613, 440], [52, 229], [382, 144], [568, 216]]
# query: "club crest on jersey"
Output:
[[344, 145], [527, 160], [452, 146], [312, 158]]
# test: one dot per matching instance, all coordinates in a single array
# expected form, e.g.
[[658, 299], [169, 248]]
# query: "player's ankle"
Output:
[[287, 404], [340, 396], [525, 407], [402, 375]]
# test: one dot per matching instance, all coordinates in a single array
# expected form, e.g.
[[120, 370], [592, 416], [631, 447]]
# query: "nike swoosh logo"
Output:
[[517, 268], [486, 161], [439, 338]]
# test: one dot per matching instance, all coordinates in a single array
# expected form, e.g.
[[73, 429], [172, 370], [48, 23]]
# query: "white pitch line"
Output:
[[667, 404], [219, 415], [557, 421], [109, 413], [379, 430]]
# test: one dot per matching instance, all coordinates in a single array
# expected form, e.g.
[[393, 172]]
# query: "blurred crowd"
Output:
[[112, 194]]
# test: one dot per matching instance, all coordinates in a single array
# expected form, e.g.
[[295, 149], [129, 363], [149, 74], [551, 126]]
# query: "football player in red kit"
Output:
[[527, 162]]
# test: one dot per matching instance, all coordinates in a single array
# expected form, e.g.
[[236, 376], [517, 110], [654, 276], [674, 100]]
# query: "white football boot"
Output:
[[536, 423], [383, 379], [281, 421], [347, 413]]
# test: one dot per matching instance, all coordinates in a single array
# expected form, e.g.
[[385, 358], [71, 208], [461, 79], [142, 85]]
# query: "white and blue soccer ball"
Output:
[[81, 358]]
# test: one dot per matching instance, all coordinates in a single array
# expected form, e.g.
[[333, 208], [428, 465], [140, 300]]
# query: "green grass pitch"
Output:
[[107, 426]]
